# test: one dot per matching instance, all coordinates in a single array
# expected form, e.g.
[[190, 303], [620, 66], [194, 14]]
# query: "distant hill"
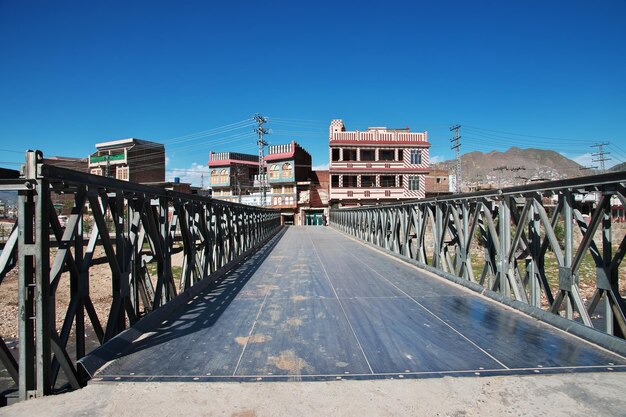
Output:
[[514, 167], [619, 167]]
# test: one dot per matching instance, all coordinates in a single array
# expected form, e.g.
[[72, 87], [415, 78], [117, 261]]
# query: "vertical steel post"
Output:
[[26, 289], [464, 241], [504, 226], [607, 255], [44, 307], [568, 256], [534, 226], [438, 235]]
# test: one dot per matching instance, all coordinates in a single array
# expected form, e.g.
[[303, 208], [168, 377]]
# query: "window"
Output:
[[96, 171], [414, 183], [366, 193], [276, 190], [367, 154], [274, 172], [400, 183], [386, 155], [349, 181], [416, 156], [214, 177], [223, 176], [349, 154], [334, 181], [288, 189], [121, 173], [387, 180], [335, 154], [287, 170], [368, 181]]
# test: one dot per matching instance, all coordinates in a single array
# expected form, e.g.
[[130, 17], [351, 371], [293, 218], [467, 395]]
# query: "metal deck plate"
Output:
[[317, 305]]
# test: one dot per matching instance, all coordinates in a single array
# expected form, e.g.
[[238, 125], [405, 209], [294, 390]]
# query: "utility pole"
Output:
[[457, 148], [600, 154], [238, 182], [260, 131], [202, 180]]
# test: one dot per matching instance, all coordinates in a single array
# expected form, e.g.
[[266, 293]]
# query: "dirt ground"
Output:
[[571, 395], [99, 290]]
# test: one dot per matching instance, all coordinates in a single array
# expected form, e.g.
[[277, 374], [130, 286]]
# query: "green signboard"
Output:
[[104, 158]]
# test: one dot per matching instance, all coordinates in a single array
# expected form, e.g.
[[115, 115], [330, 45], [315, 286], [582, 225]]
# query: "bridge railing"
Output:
[[556, 246], [138, 228]]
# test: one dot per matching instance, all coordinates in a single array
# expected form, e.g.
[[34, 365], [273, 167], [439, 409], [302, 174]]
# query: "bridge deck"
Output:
[[314, 304]]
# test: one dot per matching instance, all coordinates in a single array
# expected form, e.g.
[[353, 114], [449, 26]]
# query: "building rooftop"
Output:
[[126, 142]]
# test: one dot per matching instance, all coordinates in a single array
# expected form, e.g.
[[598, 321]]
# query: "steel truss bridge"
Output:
[[255, 301], [509, 235]]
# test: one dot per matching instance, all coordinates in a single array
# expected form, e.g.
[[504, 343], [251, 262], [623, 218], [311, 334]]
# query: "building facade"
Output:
[[438, 183], [231, 175], [376, 166], [130, 159], [288, 179], [313, 203]]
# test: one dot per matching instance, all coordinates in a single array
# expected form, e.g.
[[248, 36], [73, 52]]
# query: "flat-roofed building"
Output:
[[131, 159], [379, 165], [288, 178], [231, 175]]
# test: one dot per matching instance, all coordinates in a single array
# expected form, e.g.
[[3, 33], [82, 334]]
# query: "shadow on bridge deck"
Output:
[[314, 304]]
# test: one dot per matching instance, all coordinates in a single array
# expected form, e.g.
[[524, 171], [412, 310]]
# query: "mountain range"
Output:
[[515, 166]]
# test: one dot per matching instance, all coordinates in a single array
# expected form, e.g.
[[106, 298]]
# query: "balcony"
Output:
[[338, 193]]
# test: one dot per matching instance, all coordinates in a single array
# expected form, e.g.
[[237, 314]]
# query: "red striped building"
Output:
[[376, 166]]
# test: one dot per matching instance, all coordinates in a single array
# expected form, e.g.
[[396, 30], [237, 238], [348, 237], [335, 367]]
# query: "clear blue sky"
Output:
[[76, 73]]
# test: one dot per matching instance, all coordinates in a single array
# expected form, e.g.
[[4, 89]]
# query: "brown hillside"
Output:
[[514, 167]]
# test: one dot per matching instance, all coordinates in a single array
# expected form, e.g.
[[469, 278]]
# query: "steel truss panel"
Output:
[[526, 243], [132, 225]]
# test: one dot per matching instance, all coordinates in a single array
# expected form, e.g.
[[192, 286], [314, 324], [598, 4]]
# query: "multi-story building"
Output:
[[232, 174], [376, 166], [130, 159], [288, 179], [234, 177]]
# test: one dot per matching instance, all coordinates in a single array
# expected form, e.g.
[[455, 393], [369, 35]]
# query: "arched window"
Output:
[[214, 176], [274, 171], [287, 170], [223, 176]]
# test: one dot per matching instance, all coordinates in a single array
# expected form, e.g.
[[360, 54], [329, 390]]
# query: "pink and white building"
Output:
[[376, 166]]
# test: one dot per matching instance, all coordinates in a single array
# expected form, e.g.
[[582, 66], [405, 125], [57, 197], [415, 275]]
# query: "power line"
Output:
[[523, 135], [601, 154]]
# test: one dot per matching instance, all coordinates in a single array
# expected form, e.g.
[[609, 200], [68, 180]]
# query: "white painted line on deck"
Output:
[[424, 307]]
